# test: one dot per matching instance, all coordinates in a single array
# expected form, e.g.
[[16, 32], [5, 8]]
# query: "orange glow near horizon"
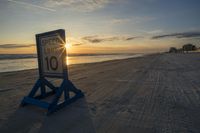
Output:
[[84, 49], [141, 46]]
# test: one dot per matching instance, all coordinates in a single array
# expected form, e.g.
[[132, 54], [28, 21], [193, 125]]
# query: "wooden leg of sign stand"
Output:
[[66, 87]]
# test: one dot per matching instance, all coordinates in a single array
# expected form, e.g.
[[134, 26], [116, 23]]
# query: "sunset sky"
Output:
[[101, 26]]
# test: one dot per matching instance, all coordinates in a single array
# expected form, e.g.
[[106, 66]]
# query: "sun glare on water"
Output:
[[67, 47]]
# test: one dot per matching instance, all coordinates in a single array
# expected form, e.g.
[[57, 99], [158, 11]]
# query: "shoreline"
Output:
[[28, 56], [72, 66], [136, 56]]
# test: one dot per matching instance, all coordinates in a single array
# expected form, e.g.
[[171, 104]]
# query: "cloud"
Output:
[[9, 46], [178, 35], [119, 21], [132, 38], [158, 31], [132, 20], [77, 44], [80, 5], [32, 5], [98, 39]]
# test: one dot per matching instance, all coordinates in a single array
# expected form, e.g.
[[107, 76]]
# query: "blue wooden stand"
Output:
[[43, 84]]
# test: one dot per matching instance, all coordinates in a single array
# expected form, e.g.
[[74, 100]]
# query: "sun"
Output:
[[67, 45]]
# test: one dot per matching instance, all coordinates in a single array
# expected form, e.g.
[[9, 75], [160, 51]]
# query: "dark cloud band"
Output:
[[77, 44], [7, 46], [178, 35], [98, 39]]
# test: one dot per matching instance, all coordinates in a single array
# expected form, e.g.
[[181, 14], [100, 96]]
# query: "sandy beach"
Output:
[[155, 93]]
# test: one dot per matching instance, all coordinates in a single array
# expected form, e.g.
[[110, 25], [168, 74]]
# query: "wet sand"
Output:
[[156, 93]]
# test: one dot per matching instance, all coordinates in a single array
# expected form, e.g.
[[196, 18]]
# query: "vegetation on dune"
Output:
[[185, 48]]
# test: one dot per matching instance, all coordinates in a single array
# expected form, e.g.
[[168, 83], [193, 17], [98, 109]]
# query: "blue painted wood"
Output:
[[35, 88], [49, 84], [36, 102]]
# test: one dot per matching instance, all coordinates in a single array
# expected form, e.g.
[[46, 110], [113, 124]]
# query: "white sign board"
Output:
[[52, 53]]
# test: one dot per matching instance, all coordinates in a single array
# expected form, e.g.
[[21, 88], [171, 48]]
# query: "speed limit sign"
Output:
[[51, 53]]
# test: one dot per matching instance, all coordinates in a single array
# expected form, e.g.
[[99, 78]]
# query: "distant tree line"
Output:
[[185, 48]]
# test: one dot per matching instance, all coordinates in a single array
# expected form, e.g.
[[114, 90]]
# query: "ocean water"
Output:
[[9, 63]]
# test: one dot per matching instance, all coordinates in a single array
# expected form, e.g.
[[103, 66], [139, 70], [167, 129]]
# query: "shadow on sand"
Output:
[[30, 119]]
